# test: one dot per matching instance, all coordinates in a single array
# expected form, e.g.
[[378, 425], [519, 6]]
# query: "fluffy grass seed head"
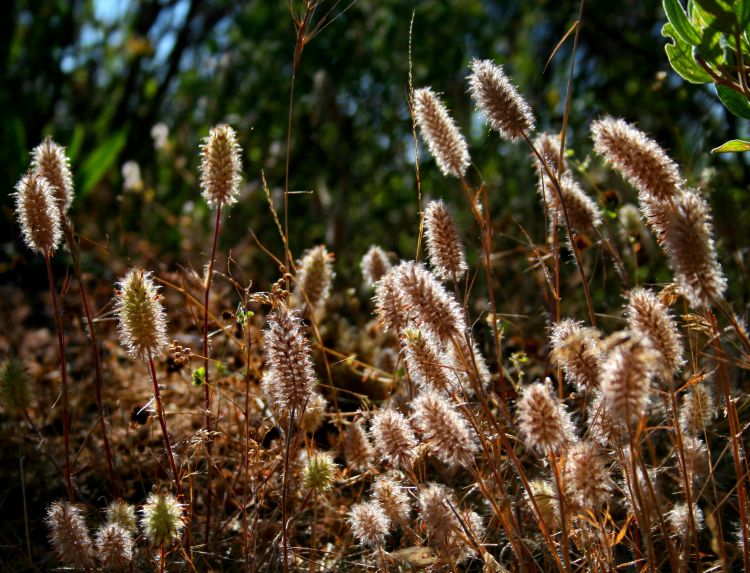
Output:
[[583, 212], [50, 161], [649, 319], [114, 547], [626, 382], [542, 419], [444, 140], [221, 166], [123, 514], [393, 498], [358, 450], [444, 246], [69, 535], [161, 519], [578, 350], [389, 307], [369, 524], [375, 264], [314, 276], [394, 438], [548, 146], [319, 472], [498, 100], [698, 410], [38, 214], [14, 386], [678, 519], [424, 360], [443, 527], [444, 431], [587, 479], [141, 318]]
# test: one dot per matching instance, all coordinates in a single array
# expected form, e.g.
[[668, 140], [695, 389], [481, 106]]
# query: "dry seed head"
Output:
[[389, 306], [443, 527], [679, 519], [369, 524], [357, 447], [14, 386], [695, 454], [446, 433], [393, 438], [587, 479], [49, 160], [221, 165], [375, 264], [141, 318], [468, 366], [315, 413], [319, 472], [583, 212], [424, 360], [542, 419], [428, 303], [626, 382], [444, 247], [161, 519], [444, 140], [69, 535], [37, 213], [689, 242], [387, 360], [114, 547], [640, 159], [290, 380], [697, 410], [314, 276], [392, 498], [498, 100], [578, 350], [548, 146], [123, 514], [649, 319], [601, 426], [545, 496]]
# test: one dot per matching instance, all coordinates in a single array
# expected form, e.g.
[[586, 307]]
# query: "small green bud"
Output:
[[319, 473], [162, 519]]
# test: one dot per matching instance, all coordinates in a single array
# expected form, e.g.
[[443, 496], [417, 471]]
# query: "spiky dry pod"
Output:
[[626, 382], [69, 535], [221, 166], [314, 276], [389, 307], [639, 158], [583, 212], [601, 426], [542, 419], [429, 305], [123, 514], [498, 100], [14, 386], [37, 214], [689, 242], [392, 498], [649, 319], [445, 432], [678, 519], [161, 519], [375, 264], [578, 349], [444, 140], [369, 524], [141, 319], [49, 160], [357, 447], [319, 472], [114, 547], [393, 438], [695, 454], [424, 360], [698, 410], [444, 247], [290, 380], [548, 146], [587, 480]]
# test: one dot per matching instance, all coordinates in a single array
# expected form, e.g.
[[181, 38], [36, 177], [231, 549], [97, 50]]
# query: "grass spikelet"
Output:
[[424, 360], [444, 140], [37, 214], [697, 410], [446, 434], [123, 514], [394, 438], [114, 547], [587, 480], [319, 472], [161, 519], [542, 419], [626, 380], [221, 166], [357, 447], [369, 524], [375, 264], [314, 276], [578, 350], [498, 100], [548, 145], [583, 212], [141, 318], [69, 535], [389, 307], [679, 519], [444, 246], [392, 498], [49, 160]]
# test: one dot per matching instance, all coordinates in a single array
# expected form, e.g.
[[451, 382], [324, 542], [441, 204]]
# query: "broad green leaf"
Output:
[[732, 146], [742, 9], [101, 160], [679, 20], [681, 59], [718, 13], [734, 102], [74, 147]]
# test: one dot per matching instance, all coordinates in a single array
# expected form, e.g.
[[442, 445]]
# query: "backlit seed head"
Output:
[[38, 214], [69, 535], [698, 410], [314, 276], [424, 360], [444, 140], [548, 146], [141, 318], [444, 247], [583, 212], [626, 382], [587, 479], [357, 447], [369, 524], [161, 519], [394, 438], [393, 498], [114, 547], [443, 527], [389, 305], [546, 498], [375, 264], [578, 350], [445, 432], [49, 160], [221, 166], [679, 519], [542, 419], [498, 100], [319, 473], [122, 514], [601, 426]]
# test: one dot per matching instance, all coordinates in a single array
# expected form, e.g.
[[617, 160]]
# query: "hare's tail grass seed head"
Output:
[[114, 547], [369, 524], [394, 438], [38, 214], [393, 498], [358, 450], [424, 360], [548, 146], [542, 419], [444, 140], [447, 435], [583, 212], [389, 306], [221, 166], [578, 350], [444, 246], [626, 382], [498, 100], [314, 276], [375, 264], [69, 535], [141, 317], [161, 519], [49, 160], [319, 472], [587, 478]]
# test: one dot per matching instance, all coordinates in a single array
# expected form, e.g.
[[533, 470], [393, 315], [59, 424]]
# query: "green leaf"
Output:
[[74, 147], [681, 59], [679, 20], [742, 10], [101, 160], [734, 102], [718, 13], [732, 146]]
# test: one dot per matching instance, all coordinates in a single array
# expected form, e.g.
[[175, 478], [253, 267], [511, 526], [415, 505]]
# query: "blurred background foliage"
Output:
[[99, 75]]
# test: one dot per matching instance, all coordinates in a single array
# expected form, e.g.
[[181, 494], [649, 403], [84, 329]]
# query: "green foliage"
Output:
[[14, 386], [733, 146]]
